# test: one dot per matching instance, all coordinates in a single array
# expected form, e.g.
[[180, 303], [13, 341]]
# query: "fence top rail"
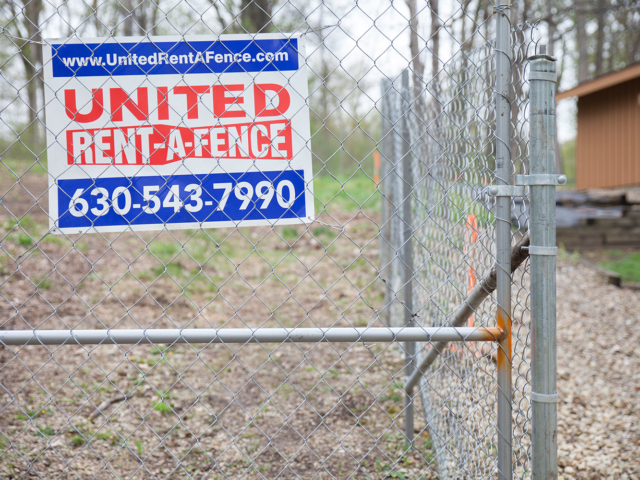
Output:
[[247, 335]]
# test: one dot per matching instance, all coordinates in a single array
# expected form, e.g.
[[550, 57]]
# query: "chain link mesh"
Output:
[[451, 127], [271, 410]]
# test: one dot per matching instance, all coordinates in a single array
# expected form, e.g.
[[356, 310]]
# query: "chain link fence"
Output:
[[224, 388], [446, 128]]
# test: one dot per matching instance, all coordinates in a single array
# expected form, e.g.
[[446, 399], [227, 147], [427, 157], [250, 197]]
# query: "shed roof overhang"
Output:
[[601, 83]]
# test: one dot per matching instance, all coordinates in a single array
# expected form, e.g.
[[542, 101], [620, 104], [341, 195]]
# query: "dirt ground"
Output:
[[207, 411], [257, 411]]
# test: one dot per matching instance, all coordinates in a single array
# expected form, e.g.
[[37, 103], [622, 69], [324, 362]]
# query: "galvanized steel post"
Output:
[[542, 226], [386, 151], [407, 254], [503, 234]]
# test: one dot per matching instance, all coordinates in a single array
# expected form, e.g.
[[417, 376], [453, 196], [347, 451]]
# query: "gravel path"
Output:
[[598, 377]]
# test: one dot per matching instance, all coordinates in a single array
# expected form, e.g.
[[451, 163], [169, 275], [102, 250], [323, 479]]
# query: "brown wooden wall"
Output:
[[608, 143]]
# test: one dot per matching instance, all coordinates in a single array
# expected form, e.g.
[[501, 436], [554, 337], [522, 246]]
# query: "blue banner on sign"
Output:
[[170, 58], [184, 199]]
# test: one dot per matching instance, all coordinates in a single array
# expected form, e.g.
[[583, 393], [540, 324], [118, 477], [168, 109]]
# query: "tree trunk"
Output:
[[601, 12], [418, 68], [583, 40], [31, 54], [434, 36], [255, 15], [552, 27], [127, 7]]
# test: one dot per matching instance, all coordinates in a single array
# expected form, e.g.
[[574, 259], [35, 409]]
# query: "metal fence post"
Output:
[[407, 254], [542, 225], [503, 236], [386, 153]]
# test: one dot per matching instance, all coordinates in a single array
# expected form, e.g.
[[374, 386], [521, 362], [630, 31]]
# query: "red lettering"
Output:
[[163, 104], [164, 144], [284, 100], [72, 110], [220, 101], [192, 97], [121, 99]]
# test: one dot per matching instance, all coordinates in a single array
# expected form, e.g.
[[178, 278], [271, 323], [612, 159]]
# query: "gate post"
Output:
[[542, 226], [503, 237]]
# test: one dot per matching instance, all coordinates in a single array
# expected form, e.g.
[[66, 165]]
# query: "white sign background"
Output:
[[177, 132]]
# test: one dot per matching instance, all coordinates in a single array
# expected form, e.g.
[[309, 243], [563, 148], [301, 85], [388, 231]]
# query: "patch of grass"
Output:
[[289, 233], [46, 432], [627, 266], [139, 445], [564, 255], [104, 436], [568, 157], [82, 246], [158, 351], [348, 194], [78, 441], [324, 233], [24, 239], [55, 239], [23, 232], [393, 396], [36, 412], [162, 407], [165, 250], [21, 166], [43, 283]]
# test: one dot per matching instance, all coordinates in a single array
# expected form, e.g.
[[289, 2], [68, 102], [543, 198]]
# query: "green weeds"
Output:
[[46, 432], [627, 265], [347, 194]]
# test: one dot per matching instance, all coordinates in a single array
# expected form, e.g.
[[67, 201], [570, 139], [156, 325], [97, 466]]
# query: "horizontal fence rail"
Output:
[[248, 335]]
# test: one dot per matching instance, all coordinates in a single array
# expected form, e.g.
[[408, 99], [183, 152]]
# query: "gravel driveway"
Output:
[[598, 377]]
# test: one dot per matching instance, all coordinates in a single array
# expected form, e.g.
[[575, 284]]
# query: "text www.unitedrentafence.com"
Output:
[[170, 58], [113, 60]]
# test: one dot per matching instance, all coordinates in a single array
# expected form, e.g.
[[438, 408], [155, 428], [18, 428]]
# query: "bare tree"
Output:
[[434, 36], [601, 12], [583, 41], [552, 27], [23, 22], [255, 15], [414, 44]]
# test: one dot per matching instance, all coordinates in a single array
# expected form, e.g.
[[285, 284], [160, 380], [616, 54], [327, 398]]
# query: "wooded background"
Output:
[[589, 37]]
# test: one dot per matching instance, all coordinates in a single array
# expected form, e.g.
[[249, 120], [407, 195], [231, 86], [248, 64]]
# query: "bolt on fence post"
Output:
[[542, 226], [407, 254], [503, 236]]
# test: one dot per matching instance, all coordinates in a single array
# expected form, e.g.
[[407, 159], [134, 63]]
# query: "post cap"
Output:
[[542, 54]]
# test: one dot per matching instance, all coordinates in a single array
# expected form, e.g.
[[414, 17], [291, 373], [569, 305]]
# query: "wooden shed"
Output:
[[608, 143]]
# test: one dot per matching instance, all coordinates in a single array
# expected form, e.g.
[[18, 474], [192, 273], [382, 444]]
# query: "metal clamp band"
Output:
[[544, 398], [506, 191], [549, 251], [548, 179], [545, 76]]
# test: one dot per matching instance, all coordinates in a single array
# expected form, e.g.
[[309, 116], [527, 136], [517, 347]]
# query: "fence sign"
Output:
[[180, 132]]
